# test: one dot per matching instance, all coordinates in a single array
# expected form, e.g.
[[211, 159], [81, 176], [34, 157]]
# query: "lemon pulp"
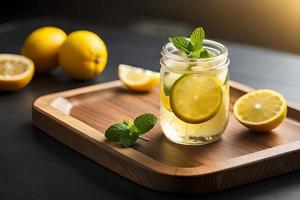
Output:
[[11, 67], [15, 72]]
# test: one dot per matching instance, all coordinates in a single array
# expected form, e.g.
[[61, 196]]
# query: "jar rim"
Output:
[[169, 54], [221, 58], [203, 70]]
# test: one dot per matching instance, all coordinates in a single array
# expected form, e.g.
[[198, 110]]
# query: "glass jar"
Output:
[[194, 94]]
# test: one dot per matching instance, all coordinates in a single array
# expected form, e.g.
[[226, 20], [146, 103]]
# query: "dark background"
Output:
[[267, 23]]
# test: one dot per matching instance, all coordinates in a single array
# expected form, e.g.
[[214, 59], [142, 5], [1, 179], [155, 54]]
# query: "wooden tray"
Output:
[[79, 117]]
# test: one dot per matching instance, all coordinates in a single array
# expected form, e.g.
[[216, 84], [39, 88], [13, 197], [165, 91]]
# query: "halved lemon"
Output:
[[16, 72], [138, 79], [261, 110], [195, 98]]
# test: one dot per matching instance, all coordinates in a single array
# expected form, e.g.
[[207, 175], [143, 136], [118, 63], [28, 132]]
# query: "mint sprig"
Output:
[[127, 132], [181, 43], [193, 46]]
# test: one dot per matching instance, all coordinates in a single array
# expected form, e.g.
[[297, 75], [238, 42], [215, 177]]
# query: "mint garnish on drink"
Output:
[[127, 132], [193, 46]]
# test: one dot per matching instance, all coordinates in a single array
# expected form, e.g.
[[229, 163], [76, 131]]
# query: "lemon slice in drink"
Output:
[[138, 79], [165, 100], [196, 98], [261, 110], [15, 72]]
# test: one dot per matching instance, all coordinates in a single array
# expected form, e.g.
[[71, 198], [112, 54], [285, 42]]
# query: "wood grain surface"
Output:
[[239, 157]]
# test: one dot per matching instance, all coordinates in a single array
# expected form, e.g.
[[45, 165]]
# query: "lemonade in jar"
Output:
[[194, 91]]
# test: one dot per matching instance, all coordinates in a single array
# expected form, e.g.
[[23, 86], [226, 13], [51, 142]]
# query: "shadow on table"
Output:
[[108, 181]]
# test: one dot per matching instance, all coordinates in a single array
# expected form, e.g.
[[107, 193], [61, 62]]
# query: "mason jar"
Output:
[[194, 94]]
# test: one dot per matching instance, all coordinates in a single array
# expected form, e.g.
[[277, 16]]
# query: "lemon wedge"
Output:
[[165, 100], [15, 72], [195, 98], [260, 110], [138, 79]]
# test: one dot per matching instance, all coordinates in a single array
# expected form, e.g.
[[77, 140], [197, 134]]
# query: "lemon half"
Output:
[[138, 79], [195, 98], [15, 72], [261, 110]]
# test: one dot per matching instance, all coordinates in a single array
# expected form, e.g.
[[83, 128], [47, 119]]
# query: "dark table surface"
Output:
[[35, 166]]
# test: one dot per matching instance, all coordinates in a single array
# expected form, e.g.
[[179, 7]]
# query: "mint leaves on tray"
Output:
[[127, 132]]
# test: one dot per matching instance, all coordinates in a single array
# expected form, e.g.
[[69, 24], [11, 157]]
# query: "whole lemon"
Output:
[[42, 46], [83, 55]]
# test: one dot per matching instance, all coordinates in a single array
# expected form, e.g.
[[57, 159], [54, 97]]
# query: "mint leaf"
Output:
[[197, 38], [165, 86], [127, 132], [145, 122], [204, 54], [131, 126], [194, 54], [180, 43], [166, 73], [127, 139], [167, 90], [193, 46], [114, 132]]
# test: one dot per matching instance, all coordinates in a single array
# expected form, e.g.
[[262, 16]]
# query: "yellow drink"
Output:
[[194, 95]]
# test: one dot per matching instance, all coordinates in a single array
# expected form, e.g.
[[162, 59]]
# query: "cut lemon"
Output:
[[165, 100], [195, 98], [15, 72], [261, 110], [138, 79]]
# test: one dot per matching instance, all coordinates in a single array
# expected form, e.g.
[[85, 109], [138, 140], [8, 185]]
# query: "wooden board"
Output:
[[79, 117]]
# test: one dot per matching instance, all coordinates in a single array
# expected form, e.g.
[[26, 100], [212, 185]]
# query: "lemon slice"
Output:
[[165, 100], [138, 79], [261, 110], [15, 72], [196, 98]]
